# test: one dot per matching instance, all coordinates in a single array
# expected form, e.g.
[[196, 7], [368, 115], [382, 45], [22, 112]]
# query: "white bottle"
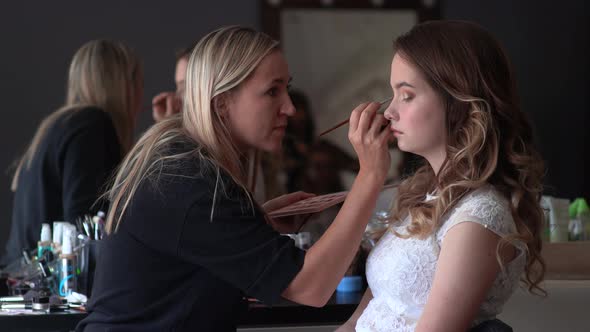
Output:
[[45, 243], [67, 264]]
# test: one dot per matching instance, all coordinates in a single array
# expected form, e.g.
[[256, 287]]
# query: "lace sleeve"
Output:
[[485, 207]]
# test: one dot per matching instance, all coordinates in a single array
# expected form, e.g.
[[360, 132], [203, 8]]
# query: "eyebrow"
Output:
[[400, 84], [280, 80]]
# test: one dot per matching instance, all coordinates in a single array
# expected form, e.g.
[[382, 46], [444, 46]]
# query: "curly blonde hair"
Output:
[[489, 138]]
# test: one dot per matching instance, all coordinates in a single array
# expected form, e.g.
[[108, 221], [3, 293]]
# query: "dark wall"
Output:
[[548, 43], [39, 39]]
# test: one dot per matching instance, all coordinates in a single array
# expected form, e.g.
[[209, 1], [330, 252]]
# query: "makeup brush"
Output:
[[346, 121]]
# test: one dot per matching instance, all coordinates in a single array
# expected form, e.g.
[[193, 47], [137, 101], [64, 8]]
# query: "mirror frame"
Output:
[[270, 10]]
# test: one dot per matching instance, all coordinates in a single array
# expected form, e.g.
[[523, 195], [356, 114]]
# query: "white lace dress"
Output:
[[400, 271]]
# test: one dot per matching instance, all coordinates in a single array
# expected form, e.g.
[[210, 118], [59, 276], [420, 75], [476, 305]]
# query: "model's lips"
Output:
[[396, 132]]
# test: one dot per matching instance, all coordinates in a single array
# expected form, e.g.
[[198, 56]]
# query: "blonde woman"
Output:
[[466, 226], [187, 242], [168, 103], [78, 146]]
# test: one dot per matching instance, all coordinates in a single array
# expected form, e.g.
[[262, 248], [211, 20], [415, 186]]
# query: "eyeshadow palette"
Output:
[[311, 205]]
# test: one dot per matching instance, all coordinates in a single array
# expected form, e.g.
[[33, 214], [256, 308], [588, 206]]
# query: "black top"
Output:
[[171, 267], [67, 174]]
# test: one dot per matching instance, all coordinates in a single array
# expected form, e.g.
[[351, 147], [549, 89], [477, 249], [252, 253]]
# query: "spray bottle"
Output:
[[67, 264]]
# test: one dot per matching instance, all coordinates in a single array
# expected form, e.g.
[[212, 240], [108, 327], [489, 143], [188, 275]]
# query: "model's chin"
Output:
[[402, 147]]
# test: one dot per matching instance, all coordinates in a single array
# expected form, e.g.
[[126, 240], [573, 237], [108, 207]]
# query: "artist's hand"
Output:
[[370, 136], [287, 224]]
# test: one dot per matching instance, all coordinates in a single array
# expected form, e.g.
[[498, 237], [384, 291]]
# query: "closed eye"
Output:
[[406, 97], [273, 92]]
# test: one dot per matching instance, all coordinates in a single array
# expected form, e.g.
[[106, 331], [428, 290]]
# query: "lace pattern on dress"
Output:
[[400, 271]]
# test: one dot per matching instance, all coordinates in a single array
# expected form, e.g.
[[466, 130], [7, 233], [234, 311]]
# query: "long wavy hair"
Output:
[[105, 74], [218, 64], [489, 138]]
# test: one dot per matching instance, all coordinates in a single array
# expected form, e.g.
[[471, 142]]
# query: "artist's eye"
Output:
[[273, 92]]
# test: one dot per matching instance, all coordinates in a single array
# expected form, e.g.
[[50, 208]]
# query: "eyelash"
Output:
[[407, 98], [274, 90]]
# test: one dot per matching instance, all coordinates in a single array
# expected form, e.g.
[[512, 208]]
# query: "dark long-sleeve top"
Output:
[[176, 264], [68, 173]]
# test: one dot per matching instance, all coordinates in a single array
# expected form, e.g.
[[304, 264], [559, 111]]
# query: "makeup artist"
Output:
[[187, 241]]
